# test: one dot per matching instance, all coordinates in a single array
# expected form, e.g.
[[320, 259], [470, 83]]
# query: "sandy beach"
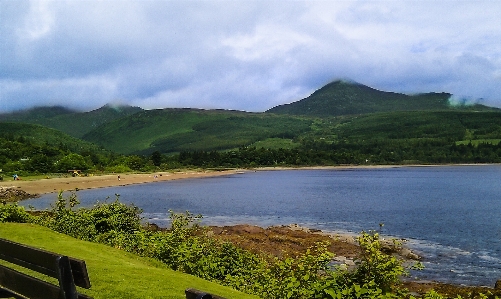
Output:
[[55, 184], [51, 185]]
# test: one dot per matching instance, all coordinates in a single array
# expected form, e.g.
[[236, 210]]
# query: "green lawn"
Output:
[[114, 273]]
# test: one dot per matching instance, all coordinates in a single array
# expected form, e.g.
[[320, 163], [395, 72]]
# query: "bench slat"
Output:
[[42, 261], [79, 272], [6, 294], [27, 286], [195, 294], [28, 257]]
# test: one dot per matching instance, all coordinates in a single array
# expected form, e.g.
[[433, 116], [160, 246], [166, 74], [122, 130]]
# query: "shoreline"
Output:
[[54, 185], [111, 180]]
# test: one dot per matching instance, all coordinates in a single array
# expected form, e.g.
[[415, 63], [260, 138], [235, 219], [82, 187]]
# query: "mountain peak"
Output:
[[347, 97]]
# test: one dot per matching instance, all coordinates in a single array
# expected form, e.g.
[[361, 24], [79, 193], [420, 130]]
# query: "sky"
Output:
[[242, 54]]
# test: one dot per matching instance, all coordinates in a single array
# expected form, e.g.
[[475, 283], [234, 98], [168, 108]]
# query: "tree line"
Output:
[[18, 155], [432, 151]]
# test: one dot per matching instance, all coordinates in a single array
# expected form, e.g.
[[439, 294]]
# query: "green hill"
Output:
[[337, 112], [35, 114], [175, 130], [450, 126], [348, 98], [40, 135], [69, 121], [114, 273]]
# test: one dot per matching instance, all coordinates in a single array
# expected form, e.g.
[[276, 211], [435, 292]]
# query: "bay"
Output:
[[451, 215]]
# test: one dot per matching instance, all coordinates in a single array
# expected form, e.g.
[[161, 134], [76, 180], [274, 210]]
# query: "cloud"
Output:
[[243, 55]]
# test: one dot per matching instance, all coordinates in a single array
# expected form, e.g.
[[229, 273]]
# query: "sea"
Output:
[[450, 215]]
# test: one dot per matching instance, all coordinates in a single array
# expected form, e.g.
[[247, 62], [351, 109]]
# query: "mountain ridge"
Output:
[[332, 114], [72, 122], [343, 97]]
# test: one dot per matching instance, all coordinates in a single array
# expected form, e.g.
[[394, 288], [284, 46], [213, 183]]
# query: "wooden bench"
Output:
[[68, 271], [196, 294]]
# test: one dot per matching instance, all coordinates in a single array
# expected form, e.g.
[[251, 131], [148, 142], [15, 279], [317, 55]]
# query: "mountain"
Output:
[[175, 130], [69, 121], [40, 135], [340, 112], [35, 114], [350, 98]]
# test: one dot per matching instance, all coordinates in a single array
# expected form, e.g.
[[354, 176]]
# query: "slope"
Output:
[[69, 121], [37, 134], [448, 126], [349, 98], [115, 273], [175, 130]]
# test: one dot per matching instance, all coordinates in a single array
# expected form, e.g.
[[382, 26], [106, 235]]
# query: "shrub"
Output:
[[374, 265], [12, 212], [89, 224], [187, 247]]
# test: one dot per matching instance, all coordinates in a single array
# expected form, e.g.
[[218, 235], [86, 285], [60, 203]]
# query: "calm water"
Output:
[[451, 215]]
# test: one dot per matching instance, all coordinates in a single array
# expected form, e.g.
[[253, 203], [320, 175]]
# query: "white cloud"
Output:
[[244, 55], [75, 92], [39, 21]]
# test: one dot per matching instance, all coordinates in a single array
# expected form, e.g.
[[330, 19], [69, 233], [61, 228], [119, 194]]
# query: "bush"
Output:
[[89, 224], [374, 265], [12, 212], [187, 247]]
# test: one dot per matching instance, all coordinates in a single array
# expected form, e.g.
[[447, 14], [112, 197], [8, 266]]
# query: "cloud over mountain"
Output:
[[244, 55]]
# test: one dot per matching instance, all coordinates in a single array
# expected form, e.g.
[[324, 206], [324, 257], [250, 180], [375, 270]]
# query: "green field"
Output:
[[115, 273]]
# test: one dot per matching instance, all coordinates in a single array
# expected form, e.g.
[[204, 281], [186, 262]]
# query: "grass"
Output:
[[115, 273]]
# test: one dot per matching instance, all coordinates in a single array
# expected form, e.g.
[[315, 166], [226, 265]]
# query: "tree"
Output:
[[40, 163], [72, 161], [156, 158]]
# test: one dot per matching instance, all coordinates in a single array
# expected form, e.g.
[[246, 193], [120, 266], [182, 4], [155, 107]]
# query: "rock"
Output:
[[350, 263], [13, 194], [408, 254], [340, 259], [497, 286]]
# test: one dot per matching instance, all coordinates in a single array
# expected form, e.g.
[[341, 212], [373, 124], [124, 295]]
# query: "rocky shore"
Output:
[[11, 194], [293, 240]]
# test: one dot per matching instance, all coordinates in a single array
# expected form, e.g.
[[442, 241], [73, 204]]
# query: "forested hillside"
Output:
[[349, 98], [341, 123], [71, 122], [175, 130]]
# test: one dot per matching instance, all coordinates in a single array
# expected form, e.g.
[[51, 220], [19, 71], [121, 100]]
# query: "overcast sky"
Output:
[[243, 55]]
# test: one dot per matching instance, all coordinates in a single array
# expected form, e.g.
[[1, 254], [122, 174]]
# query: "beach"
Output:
[[56, 184], [68, 183]]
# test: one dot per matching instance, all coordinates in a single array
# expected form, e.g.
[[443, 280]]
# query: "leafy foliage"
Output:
[[90, 224], [188, 247], [11, 212]]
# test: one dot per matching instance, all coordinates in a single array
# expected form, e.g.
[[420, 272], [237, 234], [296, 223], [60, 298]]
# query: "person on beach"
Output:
[[119, 177]]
